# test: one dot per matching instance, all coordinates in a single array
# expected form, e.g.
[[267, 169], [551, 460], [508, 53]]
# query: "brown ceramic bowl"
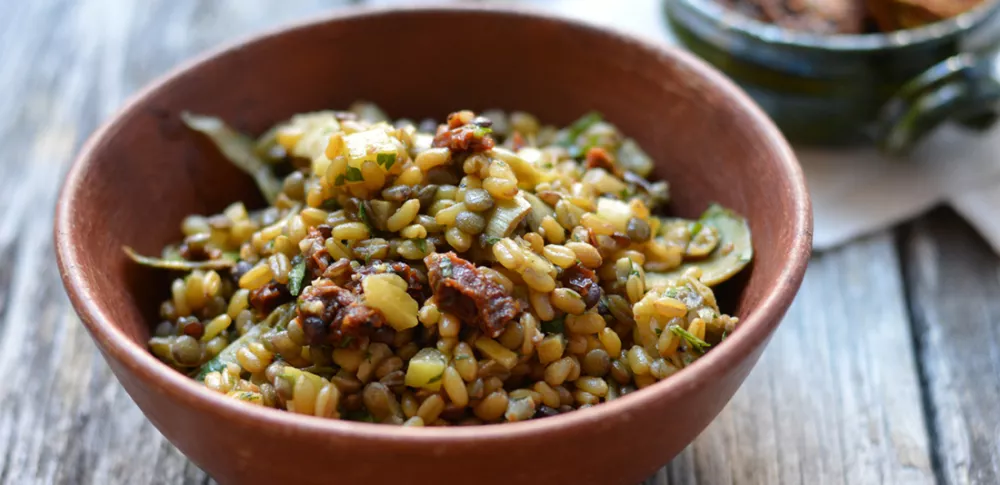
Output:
[[143, 172]]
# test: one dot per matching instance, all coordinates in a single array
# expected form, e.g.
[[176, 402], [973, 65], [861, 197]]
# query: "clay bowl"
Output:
[[141, 173]]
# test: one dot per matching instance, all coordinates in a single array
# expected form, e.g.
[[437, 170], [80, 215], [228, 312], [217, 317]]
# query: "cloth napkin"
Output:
[[857, 191]]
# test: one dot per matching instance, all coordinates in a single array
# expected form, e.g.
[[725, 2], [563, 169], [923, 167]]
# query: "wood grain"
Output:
[[835, 399], [953, 280]]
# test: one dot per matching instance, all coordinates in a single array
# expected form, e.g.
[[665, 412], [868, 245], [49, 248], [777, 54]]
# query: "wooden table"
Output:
[[886, 370]]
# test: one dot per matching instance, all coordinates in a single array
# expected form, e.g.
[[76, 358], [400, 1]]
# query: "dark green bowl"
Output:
[[846, 89]]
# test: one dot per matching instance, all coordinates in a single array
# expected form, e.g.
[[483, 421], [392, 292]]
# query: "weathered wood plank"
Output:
[[952, 275], [835, 398]]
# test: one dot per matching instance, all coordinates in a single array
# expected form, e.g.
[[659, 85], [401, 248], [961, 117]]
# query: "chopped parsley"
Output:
[[491, 240], [445, 267], [695, 228], [692, 341], [481, 131], [579, 126], [463, 357], [354, 174], [624, 194], [386, 160], [297, 277], [363, 217], [421, 244], [554, 326], [436, 378], [339, 180]]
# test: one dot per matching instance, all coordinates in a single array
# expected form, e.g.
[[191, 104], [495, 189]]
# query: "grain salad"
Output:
[[486, 269]]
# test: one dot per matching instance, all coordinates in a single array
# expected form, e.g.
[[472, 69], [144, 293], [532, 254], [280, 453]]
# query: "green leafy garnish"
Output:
[[445, 267], [363, 216], [554, 326], [178, 265], [694, 342], [339, 180], [354, 174], [623, 194], [421, 245], [436, 378], [491, 240], [346, 342], [331, 205], [238, 149], [695, 228], [578, 127], [297, 278], [463, 357], [387, 160], [481, 131]]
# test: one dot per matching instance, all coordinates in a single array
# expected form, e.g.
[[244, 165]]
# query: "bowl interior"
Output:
[[145, 172]]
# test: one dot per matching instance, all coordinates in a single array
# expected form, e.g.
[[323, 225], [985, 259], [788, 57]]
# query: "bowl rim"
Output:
[[726, 19], [754, 330]]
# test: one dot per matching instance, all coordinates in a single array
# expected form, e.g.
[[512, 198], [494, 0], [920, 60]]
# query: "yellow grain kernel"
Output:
[[454, 386], [492, 349], [668, 307], [216, 326], [499, 188], [508, 253], [413, 231], [373, 175], [559, 255], [639, 208], [432, 157], [597, 224], [351, 231], [542, 305], [551, 348], [610, 340], [403, 216], [538, 281], [458, 239], [447, 216], [256, 277], [552, 230], [587, 324], [411, 175], [667, 343], [335, 146], [568, 301], [588, 255]]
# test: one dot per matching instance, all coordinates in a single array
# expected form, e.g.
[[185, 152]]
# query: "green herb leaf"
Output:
[[578, 127], [354, 174], [445, 267], [363, 216], [331, 205], [175, 265], [695, 342], [436, 378], [387, 160], [695, 228], [623, 194], [238, 149], [463, 357], [346, 342], [491, 240], [554, 326], [339, 180], [481, 131], [297, 278], [421, 245]]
